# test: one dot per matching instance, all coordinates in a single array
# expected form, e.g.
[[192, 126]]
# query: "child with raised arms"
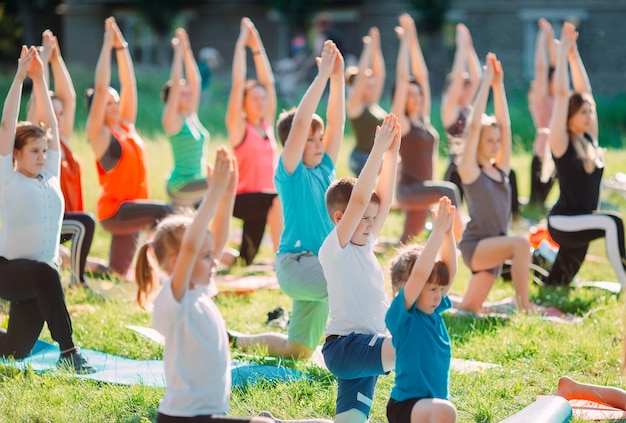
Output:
[[421, 281], [304, 172], [357, 349], [197, 348]]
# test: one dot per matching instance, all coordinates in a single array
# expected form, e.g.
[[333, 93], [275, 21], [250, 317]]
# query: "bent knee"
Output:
[[298, 351]]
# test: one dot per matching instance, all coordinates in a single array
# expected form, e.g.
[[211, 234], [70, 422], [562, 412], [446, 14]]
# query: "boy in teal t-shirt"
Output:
[[305, 170]]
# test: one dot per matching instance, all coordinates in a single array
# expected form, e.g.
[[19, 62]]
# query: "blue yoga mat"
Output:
[[126, 371]]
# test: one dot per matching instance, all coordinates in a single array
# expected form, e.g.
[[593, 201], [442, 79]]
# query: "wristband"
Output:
[[123, 47]]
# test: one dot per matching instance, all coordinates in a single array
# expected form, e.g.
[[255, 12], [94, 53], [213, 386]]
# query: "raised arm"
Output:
[[235, 121], [387, 180], [354, 102], [192, 73], [11, 106], [64, 90], [468, 166], [456, 82], [473, 65], [580, 81], [362, 192], [419, 69], [501, 109], [44, 112], [336, 110], [423, 267], [170, 118], [398, 106], [299, 132], [126, 71], [448, 252], [196, 232], [379, 73], [264, 72], [97, 132], [558, 137], [371, 58], [540, 81], [220, 226]]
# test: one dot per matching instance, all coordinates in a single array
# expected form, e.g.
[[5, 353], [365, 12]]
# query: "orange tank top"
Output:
[[128, 180], [71, 180]]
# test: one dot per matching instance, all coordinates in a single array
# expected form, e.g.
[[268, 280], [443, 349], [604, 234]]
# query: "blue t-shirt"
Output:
[[303, 197], [423, 351]]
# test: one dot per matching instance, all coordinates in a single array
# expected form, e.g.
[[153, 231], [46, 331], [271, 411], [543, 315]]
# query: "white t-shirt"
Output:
[[356, 287], [31, 211], [196, 353]]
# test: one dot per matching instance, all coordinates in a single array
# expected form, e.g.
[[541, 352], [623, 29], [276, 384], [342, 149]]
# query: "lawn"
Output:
[[532, 353]]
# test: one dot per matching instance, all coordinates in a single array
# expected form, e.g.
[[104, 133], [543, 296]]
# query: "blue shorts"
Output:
[[356, 361]]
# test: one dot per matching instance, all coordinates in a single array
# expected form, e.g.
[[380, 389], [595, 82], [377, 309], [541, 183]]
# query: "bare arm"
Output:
[[97, 133], [423, 267], [221, 222], [192, 73], [298, 134], [501, 108], [336, 110], [170, 118], [580, 81], [264, 73], [44, 112], [468, 167], [379, 73], [558, 137], [420, 70], [387, 180], [12, 102], [128, 84], [448, 252], [398, 107], [354, 103], [540, 85], [473, 66], [235, 121], [450, 100], [195, 234], [348, 221]]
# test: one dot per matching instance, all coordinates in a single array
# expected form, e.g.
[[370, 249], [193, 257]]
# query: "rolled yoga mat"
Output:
[[548, 409]]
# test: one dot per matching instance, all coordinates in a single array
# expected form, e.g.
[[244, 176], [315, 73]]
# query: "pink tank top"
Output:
[[256, 158]]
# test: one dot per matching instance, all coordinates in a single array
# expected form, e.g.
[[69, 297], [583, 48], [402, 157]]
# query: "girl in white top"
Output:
[[196, 352], [31, 209], [197, 348]]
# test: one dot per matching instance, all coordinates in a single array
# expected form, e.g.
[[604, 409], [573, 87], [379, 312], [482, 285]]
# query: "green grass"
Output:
[[533, 354]]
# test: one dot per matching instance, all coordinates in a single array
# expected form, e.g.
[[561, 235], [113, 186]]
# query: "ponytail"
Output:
[[144, 276]]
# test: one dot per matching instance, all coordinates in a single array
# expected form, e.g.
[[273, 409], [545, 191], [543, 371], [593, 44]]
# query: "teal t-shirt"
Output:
[[423, 351], [188, 151], [302, 194]]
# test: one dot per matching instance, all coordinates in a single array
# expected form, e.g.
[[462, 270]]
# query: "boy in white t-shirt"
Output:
[[357, 349]]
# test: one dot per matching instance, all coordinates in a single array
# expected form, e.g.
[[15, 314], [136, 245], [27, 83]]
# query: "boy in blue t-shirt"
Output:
[[305, 170], [357, 348], [419, 334]]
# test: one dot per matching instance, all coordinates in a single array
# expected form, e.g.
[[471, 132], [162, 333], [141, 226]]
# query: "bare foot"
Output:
[[566, 387]]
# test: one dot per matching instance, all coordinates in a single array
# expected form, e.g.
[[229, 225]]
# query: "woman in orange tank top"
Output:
[[123, 207]]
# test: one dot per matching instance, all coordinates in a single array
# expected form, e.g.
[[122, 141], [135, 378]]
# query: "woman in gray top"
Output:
[[484, 170]]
